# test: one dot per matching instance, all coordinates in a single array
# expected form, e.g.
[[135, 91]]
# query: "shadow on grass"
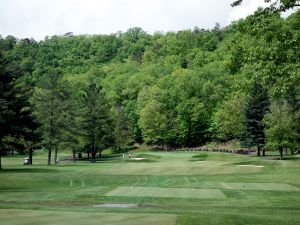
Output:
[[29, 170], [103, 158], [148, 156], [199, 157], [285, 157]]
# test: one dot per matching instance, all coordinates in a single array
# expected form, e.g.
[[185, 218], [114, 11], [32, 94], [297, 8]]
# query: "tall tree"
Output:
[[24, 117], [71, 122], [48, 102], [256, 107], [97, 124], [6, 108], [15, 114], [281, 129]]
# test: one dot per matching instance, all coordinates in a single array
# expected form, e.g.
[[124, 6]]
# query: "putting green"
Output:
[[259, 186], [33, 217], [166, 192]]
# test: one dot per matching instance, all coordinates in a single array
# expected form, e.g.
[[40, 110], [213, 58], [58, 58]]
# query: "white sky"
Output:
[[38, 18]]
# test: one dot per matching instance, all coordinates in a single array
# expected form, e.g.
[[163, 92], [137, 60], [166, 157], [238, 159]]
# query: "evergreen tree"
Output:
[[24, 117], [97, 125], [255, 110], [70, 130], [6, 97], [48, 101], [15, 114]]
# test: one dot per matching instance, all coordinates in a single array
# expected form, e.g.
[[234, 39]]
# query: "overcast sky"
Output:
[[38, 18]]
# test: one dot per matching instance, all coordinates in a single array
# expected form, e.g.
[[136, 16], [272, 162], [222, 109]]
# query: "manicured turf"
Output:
[[260, 186], [166, 192], [32, 217], [180, 188]]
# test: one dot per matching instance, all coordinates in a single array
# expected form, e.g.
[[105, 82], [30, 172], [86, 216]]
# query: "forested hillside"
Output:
[[174, 89]]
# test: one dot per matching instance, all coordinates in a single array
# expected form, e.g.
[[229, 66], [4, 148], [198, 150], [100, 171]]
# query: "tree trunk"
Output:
[[55, 156], [88, 155], [93, 156], [51, 129], [281, 153], [0, 152], [264, 152], [93, 153], [74, 155], [100, 154], [292, 151], [258, 150], [12, 152], [49, 156], [30, 155]]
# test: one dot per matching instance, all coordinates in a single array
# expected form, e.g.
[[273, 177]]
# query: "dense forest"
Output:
[[85, 93]]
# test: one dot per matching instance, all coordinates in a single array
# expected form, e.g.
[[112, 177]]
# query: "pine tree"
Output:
[[24, 119], [97, 124], [6, 109], [256, 108], [15, 113], [71, 118], [48, 101]]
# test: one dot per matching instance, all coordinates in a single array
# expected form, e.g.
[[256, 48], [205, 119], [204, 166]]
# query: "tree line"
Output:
[[89, 92]]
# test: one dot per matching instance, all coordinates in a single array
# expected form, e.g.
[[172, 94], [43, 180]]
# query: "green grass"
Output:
[[260, 186], [199, 157], [14, 217], [182, 188], [166, 192]]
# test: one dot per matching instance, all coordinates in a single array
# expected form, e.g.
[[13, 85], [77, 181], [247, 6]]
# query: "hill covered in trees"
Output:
[[174, 89]]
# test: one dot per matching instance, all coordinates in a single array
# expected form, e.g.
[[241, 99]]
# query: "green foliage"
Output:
[[173, 89], [281, 129], [16, 123], [49, 107], [256, 107], [6, 97], [97, 124], [229, 120]]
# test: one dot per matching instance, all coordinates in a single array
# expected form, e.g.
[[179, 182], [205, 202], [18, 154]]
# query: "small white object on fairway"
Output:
[[251, 166], [138, 158]]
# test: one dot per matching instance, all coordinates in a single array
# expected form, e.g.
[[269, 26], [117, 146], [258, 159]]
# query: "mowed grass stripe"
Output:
[[166, 192], [33, 217], [259, 186]]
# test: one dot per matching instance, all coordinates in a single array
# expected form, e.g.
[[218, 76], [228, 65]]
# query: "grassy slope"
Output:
[[59, 191]]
